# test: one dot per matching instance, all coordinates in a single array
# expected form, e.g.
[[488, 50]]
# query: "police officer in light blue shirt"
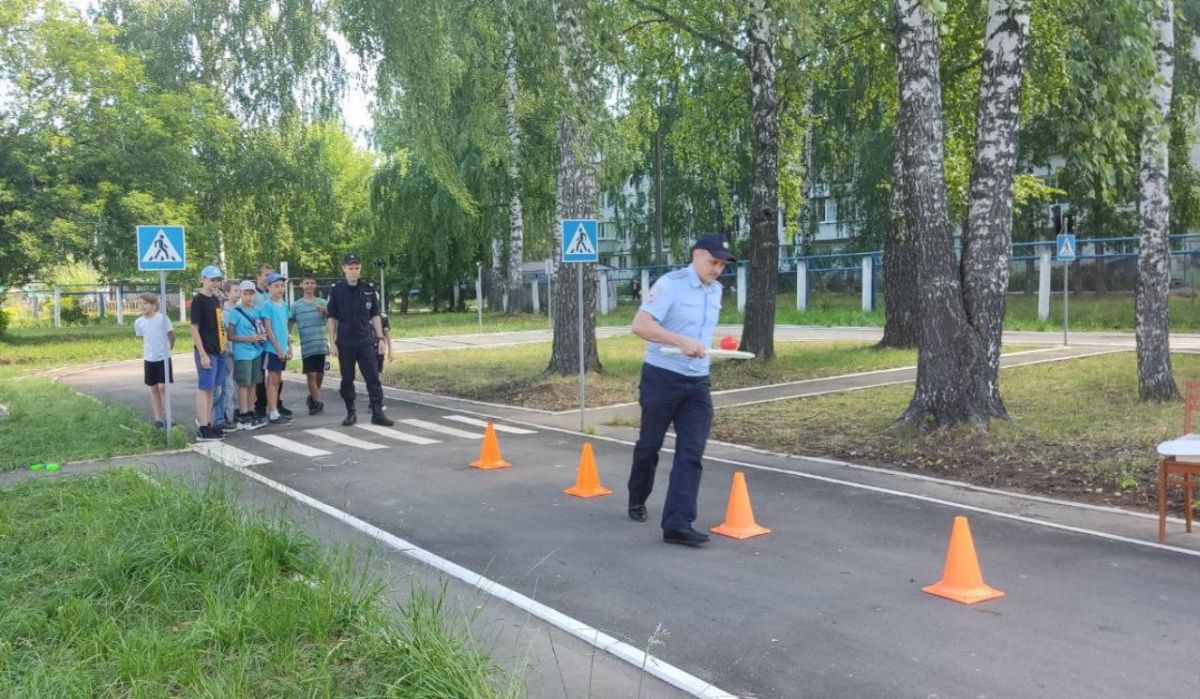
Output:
[[680, 311]]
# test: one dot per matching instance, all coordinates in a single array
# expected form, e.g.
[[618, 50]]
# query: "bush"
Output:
[[72, 313]]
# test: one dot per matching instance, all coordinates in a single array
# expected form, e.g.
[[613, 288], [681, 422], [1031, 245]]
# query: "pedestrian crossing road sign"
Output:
[[161, 248], [579, 241], [1066, 247]]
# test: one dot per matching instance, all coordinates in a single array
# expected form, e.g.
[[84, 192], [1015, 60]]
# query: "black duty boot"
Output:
[[378, 418], [351, 418]]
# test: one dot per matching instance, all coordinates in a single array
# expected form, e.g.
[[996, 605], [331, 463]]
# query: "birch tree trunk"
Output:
[[516, 218], [987, 240], [1151, 328], [952, 386], [900, 261], [576, 198], [494, 282], [758, 332]]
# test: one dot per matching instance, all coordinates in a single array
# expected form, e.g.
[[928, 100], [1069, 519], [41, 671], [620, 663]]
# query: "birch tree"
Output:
[[900, 263], [987, 244], [753, 32], [1151, 327], [954, 383], [577, 193], [515, 298]]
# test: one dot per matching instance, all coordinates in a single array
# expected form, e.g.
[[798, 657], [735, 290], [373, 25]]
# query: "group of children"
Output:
[[242, 338]]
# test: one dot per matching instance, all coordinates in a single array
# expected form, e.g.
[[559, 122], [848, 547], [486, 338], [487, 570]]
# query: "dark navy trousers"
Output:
[[366, 358], [667, 397]]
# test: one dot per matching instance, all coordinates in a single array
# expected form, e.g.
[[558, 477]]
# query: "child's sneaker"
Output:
[[250, 422], [209, 434], [284, 412], [160, 425], [281, 420], [316, 407]]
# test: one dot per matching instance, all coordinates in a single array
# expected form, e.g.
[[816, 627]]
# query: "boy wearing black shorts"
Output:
[[308, 314], [158, 339]]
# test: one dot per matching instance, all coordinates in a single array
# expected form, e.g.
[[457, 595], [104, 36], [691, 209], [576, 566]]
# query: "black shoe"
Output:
[[686, 537], [284, 411], [351, 418], [308, 400], [281, 420], [637, 513], [260, 414], [378, 418], [209, 434], [315, 407]]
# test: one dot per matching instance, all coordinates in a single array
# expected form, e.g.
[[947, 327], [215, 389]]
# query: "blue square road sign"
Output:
[[1065, 246], [580, 240], [161, 248]]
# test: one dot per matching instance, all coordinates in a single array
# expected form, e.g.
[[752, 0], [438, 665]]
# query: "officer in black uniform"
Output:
[[354, 327]]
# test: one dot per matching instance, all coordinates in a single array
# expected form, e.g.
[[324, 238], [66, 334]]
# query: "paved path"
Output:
[[829, 604]]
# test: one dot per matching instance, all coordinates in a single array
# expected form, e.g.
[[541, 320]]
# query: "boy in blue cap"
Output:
[[274, 314]]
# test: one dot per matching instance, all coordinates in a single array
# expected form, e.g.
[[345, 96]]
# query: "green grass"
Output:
[[1077, 431], [515, 375], [50, 423], [27, 349], [118, 587]]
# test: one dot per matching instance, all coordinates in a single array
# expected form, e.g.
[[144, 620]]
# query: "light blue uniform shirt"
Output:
[[681, 304]]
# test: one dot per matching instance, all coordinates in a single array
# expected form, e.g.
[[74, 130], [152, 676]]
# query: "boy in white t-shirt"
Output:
[[158, 338]]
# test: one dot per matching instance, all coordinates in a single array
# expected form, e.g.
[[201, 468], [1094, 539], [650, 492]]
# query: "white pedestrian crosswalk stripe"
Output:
[[227, 454], [341, 438], [483, 423], [290, 445], [231, 455], [434, 427], [398, 435]]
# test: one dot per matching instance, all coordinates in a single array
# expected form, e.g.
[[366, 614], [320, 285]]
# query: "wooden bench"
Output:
[[1180, 457]]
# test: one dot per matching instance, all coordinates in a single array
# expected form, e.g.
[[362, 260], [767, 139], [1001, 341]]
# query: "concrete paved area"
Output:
[[829, 604]]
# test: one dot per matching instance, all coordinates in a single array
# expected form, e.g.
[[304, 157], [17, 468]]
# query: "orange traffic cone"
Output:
[[587, 482], [739, 516], [962, 580], [489, 453]]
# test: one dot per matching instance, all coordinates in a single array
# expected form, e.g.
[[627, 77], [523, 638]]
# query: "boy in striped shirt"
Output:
[[308, 314]]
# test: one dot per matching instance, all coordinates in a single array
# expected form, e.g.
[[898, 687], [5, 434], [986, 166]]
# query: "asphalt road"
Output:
[[827, 605]]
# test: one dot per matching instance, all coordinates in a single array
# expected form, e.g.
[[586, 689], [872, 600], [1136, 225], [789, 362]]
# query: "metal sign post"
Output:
[[1066, 254], [479, 294], [162, 294], [580, 246], [163, 248]]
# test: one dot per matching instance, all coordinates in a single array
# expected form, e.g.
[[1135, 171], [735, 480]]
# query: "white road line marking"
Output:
[[340, 438], [289, 445], [398, 435], [483, 423], [434, 427], [592, 636], [229, 455]]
